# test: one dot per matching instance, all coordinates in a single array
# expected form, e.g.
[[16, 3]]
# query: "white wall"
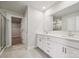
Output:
[[24, 29], [35, 24]]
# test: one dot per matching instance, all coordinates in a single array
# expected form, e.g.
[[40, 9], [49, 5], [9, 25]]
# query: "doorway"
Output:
[[16, 31]]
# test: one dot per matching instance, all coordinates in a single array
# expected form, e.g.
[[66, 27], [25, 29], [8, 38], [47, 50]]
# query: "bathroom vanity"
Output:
[[65, 43], [58, 46]]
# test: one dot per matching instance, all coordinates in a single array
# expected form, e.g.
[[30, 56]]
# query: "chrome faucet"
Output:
[[70, 34]]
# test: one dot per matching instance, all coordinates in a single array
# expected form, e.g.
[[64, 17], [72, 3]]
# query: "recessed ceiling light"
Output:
[[43, 7]]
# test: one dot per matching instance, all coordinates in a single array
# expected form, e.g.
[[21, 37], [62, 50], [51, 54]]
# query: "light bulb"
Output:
[[43, 7]]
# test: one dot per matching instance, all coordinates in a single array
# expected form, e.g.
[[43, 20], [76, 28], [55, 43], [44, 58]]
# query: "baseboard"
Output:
[[8, 45], [2, 51]]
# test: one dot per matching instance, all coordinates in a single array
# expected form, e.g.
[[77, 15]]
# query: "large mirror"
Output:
[[66, 19], [68, 22]]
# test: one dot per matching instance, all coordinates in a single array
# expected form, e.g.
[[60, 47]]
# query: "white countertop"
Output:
[[62, 35]]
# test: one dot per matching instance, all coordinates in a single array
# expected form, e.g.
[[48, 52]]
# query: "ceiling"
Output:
[[70, 10], [20, 6]]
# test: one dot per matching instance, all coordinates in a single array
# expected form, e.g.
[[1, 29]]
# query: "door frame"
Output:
[[11, 28]]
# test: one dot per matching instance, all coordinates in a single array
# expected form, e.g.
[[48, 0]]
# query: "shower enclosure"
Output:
[[2, 31]]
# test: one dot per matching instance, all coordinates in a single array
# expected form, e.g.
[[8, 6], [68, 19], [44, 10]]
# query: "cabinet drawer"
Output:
[[51, 39]]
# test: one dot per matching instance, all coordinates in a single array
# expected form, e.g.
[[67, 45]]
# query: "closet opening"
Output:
[[16, 31]]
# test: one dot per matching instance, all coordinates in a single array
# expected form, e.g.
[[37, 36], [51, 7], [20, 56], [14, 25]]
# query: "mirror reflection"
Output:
[[57, 24]]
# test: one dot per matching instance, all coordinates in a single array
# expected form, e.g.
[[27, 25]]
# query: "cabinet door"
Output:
[[58, 51], [72, 52], [53, 48]]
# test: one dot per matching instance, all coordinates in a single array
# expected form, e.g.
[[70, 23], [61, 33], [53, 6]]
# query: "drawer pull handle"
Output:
[[62, 49], [65, 50]]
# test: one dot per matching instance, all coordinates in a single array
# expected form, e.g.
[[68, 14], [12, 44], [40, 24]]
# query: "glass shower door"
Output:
[[3, 42], [0, 33]]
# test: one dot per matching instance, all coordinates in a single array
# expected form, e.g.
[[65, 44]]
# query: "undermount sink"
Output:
[[76, 36], [71, 36], [68, 35]]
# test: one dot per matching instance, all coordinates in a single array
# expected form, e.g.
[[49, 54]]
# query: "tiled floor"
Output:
[[19, 51]]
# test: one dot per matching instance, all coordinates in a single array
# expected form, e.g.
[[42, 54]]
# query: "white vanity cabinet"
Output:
[[58, 47], [55, 49], [49, 46], [41, 42]]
